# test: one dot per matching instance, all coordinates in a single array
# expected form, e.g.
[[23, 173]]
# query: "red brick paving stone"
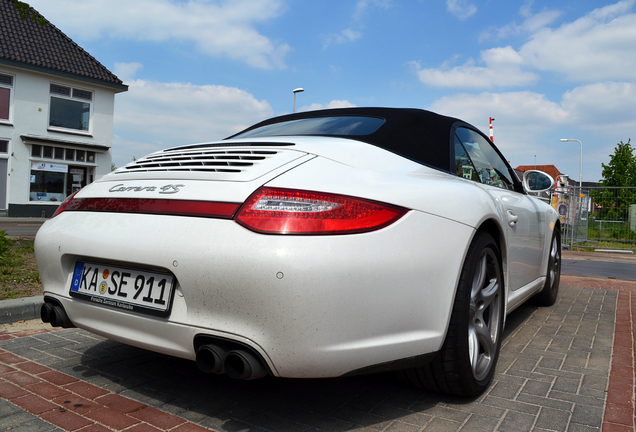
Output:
[[85, 389], [34, 404], [120, 403], [77, 404], [92, 428], [58, 378], [190, 427], [20, 378], [624, 386], [32, 367], [111, 418], [46, 390], [619, 407], [9, 391], [620, 398], [4, 337], [613, 427], [67, 420], [621, 360], [6, 369], [621, 414], [157, 418], [142, 427], [8, 358]]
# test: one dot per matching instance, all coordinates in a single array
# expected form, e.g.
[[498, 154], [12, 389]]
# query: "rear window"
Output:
[[330, 126]]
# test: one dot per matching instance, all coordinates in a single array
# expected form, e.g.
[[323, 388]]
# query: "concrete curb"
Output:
[[15, 310]]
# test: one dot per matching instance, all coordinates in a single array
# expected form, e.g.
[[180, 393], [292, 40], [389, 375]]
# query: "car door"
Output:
[[478, 160]]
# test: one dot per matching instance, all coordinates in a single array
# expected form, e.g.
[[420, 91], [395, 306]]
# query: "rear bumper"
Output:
[[311, 306]]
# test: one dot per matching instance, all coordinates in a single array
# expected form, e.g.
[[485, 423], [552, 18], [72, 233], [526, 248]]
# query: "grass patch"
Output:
[[19, 275]]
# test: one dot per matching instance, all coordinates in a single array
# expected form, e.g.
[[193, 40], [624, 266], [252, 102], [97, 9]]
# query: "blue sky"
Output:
[[200, 70]]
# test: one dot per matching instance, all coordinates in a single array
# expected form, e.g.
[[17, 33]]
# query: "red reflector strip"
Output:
[[208, 209], [289, 211]]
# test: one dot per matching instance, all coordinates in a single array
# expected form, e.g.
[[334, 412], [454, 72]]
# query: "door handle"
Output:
[[512, 218]]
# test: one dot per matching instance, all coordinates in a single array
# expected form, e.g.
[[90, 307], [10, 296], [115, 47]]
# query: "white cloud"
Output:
[[156, 115], [603, 105], [525, 109], [332, 104], [462, 9], [363, 5], [502, 69], [216, 28], [127, 71], [531, 24], [598, 46], [347, 35]]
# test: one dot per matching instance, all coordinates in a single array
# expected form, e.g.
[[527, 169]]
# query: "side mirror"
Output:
[[537, 181]]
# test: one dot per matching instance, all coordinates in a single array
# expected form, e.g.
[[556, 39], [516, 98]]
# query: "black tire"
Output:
[[466, 363], [548, 295]]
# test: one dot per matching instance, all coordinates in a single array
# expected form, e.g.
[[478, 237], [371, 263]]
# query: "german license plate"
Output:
[[144, 291]]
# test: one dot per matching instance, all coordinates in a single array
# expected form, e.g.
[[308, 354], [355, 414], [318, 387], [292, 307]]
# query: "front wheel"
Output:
[[466, 363]]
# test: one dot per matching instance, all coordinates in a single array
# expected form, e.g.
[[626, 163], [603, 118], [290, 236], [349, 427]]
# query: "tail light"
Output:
[[289, 211], [64, 204]]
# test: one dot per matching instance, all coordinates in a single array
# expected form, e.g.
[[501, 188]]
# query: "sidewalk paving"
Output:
[[569, 367]]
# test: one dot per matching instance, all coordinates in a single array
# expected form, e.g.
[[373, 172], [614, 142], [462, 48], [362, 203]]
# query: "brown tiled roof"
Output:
[[27, 43]]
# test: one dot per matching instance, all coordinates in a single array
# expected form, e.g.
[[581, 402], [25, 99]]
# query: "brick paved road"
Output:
[[552, 375]]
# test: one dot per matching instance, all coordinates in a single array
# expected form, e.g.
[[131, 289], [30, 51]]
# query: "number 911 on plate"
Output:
[[144, 291]]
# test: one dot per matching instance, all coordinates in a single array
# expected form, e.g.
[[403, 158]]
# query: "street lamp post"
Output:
[[581, 167], [298, 90]]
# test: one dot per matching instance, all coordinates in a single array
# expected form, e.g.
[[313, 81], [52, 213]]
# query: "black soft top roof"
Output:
[[417, 134]]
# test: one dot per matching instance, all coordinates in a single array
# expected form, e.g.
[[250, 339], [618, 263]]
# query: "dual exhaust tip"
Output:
[[55, 314], [236, 363]]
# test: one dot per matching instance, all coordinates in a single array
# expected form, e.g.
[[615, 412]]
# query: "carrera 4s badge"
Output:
[[167, 189]]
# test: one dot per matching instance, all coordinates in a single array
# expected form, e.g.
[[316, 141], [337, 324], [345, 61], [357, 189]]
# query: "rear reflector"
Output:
[[289, 211], [153, 206]]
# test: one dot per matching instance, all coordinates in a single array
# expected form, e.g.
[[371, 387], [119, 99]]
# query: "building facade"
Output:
[[56, 116]]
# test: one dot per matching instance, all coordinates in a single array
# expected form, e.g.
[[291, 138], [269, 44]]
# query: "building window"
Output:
[[70, 108], [53, 182], [60, 153], [4, 146], [6, 85], [48, 182]]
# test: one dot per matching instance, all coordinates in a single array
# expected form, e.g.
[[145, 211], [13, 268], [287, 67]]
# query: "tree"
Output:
[[618, 176], [621, 170]]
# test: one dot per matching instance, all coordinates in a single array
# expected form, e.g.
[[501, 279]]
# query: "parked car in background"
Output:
[[317, 244]]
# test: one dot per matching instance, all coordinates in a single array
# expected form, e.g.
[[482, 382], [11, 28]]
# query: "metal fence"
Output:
[[598, 217]]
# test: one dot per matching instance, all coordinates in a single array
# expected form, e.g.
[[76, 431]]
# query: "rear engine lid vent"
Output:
[[219, 163]]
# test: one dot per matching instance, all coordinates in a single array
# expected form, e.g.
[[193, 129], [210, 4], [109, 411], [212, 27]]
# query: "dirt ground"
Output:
[[25, 326]]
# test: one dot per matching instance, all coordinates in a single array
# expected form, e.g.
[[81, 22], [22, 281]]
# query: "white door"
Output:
[[477, 160]]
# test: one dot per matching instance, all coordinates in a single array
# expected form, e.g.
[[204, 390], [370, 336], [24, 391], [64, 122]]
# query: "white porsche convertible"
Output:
[[316, 244]]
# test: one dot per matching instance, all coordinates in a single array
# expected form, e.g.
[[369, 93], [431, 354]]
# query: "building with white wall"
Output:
[[56, 116]]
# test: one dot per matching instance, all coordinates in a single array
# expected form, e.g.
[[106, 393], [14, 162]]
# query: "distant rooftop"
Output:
[[44, 48]]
